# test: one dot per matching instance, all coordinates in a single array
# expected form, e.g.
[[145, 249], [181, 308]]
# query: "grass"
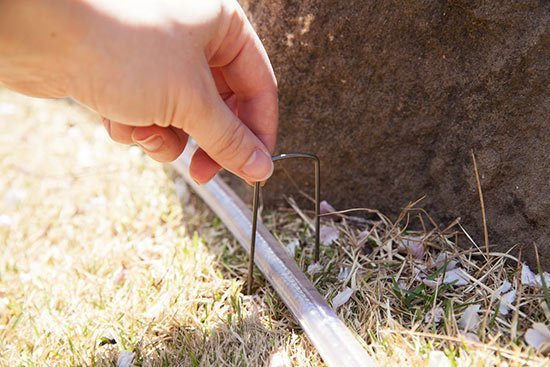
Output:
[[104, 251]]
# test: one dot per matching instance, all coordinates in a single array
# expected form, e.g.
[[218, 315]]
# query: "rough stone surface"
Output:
[[393, 96]]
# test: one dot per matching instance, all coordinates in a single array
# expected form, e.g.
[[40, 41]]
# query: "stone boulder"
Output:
[[395, 96]]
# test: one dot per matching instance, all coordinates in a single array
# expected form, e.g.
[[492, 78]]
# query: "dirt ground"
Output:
[[107, 259]]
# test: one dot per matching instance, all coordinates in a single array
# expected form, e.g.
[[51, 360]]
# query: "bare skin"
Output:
[[157, 71]]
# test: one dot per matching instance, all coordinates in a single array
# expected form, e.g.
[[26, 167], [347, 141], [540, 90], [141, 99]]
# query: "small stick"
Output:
[[483, 218]]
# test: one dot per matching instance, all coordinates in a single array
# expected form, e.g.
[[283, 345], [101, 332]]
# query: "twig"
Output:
[[483, 218]]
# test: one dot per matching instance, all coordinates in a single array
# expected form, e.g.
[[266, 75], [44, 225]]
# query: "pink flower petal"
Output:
[[328, 235]]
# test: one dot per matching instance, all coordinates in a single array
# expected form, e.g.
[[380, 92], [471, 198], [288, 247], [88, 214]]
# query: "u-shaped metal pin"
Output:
[[255, 205]]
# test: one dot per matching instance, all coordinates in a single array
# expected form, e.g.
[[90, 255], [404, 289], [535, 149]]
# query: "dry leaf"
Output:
[[470, 319], [125, 358], [342, 297], [538, 337], [457, 277], [328, 235]]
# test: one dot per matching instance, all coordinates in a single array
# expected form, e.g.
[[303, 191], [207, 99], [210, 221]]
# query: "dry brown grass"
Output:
[[99, 254]]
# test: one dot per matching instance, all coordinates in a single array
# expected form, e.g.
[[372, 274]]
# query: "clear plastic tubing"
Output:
[[336, 344]]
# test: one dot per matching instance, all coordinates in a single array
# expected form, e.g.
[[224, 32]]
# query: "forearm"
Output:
[[36, 39]]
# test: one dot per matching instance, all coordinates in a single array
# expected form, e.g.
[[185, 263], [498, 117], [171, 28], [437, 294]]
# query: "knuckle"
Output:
[[230, 144]]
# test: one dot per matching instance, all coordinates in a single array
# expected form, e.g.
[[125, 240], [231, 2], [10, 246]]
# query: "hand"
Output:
[[156, 70]]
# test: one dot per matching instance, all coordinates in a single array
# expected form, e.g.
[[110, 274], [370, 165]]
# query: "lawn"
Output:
[[106, 258]]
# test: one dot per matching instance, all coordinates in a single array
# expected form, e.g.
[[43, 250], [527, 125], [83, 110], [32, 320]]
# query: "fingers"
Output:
[[239, 134], [160, 143], [228, 141], [256, 91], [202, 167], [247, 72], [119, 132]]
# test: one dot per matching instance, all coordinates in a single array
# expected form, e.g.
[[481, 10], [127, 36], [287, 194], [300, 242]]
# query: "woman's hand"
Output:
[[158, 71]]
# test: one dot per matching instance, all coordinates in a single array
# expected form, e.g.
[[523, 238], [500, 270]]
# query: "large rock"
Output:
[[394, 96]]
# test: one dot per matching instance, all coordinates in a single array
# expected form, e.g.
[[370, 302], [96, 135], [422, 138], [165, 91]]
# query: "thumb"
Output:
[[230, 143]]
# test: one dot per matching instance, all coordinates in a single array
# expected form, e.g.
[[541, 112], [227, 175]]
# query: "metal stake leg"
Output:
[[256, 203]]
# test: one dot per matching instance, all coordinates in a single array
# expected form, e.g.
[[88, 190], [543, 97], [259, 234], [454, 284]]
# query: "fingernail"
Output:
[[259, 166], [152, 143]]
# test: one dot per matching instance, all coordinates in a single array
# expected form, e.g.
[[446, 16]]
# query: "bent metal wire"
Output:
[[256, 204]]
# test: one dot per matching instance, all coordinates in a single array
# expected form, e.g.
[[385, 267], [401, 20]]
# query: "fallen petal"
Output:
[[314, 268], [506, 302], [505, 287], [443, 258], [434, 316], [342, 297], [538, 337], [125, 358], [470, 336], [412, 246], [438, 359], [470, 319], [279, 359], [457, 277], [119, 276], [531, 279], [328, 235], [14, 197], [158, 307], [418, 273], [432, 283], [292, 246], [527, 276], [325, 209], [343, 274], [6, 221]]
